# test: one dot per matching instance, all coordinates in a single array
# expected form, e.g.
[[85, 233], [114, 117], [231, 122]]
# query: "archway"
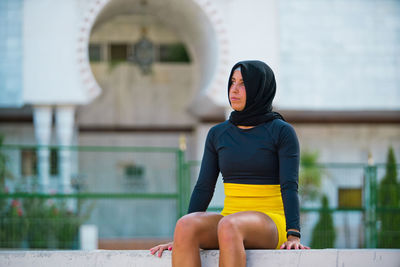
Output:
[[199, 25]]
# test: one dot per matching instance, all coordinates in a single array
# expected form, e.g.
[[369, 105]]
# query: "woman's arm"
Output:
[[289, 160], [209, 170]]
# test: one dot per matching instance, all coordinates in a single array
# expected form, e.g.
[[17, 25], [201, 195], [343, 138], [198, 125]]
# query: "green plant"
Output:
[[54, 224], [68, 224], [388, 205], [12, 219], [13, 226], [40, 223], [310, 176], [5, 174], [324, 234]]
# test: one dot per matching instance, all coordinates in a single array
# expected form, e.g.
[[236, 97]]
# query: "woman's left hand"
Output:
[[293, 242]]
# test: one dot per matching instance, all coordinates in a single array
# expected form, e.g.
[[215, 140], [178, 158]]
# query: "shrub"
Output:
[[324, 234], [310, 176], [389, 205]]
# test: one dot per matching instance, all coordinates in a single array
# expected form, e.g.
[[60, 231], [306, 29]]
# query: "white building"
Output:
[[337, 65]]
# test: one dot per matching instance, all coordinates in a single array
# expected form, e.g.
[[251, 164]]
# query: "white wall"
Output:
[[349, 143], [339, 55], [253, 31], [50, 53]]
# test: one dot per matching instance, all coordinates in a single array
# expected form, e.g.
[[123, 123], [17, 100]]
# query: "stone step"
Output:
[[209, 258]]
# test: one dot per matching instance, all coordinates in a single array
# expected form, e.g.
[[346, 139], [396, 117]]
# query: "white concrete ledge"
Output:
[[209, 258]]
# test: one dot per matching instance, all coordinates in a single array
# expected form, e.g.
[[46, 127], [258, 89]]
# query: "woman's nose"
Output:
[[234, 88]]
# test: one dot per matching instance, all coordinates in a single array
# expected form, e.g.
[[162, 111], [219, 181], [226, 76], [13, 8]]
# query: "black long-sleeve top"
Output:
[[265, 154]]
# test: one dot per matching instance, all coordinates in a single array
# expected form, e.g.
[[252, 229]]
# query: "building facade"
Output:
[[146, 73]]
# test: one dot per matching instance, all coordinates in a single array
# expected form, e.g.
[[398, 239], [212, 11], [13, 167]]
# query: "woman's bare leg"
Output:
[[194, 231], [245, 229]]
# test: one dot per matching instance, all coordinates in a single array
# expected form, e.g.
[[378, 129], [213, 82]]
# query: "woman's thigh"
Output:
[[199, 227], [257, 229]]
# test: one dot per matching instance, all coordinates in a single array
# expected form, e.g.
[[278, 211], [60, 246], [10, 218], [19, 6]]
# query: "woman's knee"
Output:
[[229, 230], [187, 227]]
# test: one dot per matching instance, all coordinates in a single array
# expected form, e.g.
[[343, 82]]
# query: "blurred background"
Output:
[[105, 106]]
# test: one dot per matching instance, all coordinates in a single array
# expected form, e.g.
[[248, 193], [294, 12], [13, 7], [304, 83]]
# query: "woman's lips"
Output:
[[235, 99]]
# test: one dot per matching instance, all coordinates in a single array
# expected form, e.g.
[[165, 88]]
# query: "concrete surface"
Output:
[[255, 258]]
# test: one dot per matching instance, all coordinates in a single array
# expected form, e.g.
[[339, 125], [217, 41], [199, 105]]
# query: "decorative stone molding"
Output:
[[89, 83], [223, 61]]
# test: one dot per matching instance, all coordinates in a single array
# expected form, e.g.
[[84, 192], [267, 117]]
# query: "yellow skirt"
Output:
[[263, 198]]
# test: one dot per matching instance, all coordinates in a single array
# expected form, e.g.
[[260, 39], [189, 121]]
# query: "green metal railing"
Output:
[[176, 189], [182, 194]]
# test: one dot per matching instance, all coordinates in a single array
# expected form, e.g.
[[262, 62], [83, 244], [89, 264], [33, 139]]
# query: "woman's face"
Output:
[[237, 91]]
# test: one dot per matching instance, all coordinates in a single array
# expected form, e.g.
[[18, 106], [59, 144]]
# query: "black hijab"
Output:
[[260, 84]]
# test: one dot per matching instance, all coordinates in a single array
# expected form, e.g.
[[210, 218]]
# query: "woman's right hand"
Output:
[[161, 248]]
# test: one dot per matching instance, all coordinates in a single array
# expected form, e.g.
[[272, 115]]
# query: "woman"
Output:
[[257, 153]]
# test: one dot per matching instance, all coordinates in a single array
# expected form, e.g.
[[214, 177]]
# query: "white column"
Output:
[[42, 121], [64, 128]]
